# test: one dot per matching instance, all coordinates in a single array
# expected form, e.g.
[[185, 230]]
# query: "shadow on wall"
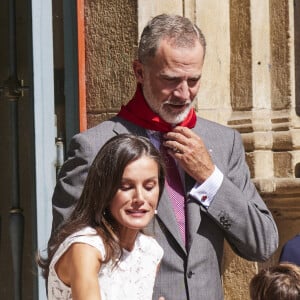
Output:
[[297, 170]]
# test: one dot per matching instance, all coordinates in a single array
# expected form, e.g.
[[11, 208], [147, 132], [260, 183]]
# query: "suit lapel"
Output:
[[166, 215], [193, 217], [123, 126], [193, 213]]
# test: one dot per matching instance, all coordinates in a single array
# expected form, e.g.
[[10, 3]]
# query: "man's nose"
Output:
[[182, 91]]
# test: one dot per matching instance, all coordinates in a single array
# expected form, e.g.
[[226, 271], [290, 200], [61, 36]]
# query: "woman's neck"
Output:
[[127, 238]]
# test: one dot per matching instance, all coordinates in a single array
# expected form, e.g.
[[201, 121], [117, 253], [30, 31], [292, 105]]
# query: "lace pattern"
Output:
[[132, 279]]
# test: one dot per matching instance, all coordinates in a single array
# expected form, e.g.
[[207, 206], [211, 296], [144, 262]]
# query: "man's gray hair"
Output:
[[179, 30]]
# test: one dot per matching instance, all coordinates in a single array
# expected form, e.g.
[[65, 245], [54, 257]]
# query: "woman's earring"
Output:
[[155, 211]]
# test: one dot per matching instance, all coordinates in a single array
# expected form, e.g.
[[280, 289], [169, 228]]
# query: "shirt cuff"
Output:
[[205, 192]]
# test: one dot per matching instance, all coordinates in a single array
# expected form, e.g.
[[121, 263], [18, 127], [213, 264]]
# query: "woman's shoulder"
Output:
[[86, 235], [148, 244], [88, 230]]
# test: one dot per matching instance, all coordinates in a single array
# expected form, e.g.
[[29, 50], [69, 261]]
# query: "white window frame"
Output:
[[44, 122]]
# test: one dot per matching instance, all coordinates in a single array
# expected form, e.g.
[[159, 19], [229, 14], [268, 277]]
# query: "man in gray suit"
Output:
[[220, 201]]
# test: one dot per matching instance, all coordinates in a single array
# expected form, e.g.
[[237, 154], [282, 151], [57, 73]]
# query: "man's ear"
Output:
[[138, 69]]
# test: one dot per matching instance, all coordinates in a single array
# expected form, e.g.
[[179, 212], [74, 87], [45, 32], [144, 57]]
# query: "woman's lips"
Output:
[[136, 211]]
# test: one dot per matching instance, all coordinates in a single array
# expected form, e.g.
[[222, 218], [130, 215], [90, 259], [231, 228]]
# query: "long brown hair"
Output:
[[103, 180]]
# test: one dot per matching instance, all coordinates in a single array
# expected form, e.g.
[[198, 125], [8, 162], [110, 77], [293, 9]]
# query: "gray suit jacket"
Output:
[[236, 214]]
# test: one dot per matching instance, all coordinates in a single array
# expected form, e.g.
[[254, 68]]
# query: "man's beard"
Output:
[[163, 110]]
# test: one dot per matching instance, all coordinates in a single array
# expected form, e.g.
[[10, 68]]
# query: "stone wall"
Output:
[[111, 41]]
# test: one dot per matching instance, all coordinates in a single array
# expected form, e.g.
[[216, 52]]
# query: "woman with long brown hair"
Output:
[[100, 252]]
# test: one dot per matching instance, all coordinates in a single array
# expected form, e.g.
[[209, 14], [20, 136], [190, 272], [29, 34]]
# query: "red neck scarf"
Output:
[[138, 112]]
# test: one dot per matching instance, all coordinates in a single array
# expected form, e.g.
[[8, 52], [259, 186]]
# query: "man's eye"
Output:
[[193, 81], [171, 79]]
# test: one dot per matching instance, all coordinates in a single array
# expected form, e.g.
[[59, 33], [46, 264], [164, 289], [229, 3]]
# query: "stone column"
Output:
[[212, 16], [249, 84], [269, 125]]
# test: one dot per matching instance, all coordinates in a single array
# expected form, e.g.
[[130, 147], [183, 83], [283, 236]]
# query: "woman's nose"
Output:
[[139, 196]]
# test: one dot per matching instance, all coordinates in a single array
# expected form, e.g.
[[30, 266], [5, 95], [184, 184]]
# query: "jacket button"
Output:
[[190, 274]]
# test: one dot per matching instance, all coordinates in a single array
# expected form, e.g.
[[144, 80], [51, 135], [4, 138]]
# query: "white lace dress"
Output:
[[132, 279]]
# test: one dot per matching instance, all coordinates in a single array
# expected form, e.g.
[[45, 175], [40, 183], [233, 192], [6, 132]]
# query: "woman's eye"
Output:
[[125, 187], [149, 187]]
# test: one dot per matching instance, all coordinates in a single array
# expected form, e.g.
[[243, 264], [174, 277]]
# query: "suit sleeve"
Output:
[[71, 178], [290, 251], [239, 210]]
